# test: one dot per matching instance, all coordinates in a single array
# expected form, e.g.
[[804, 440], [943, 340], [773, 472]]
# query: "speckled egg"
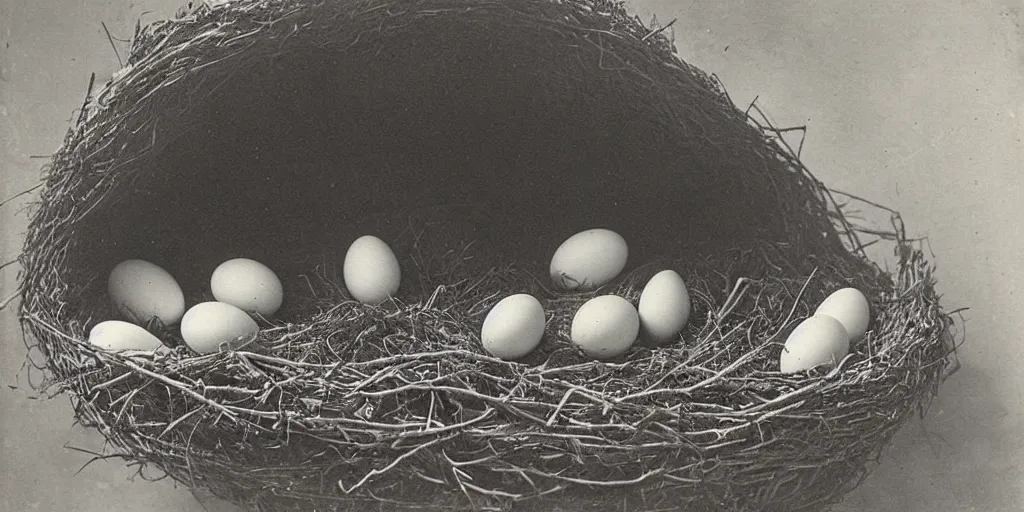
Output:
[[850, 307], [248, 285], [820, 339], [588, 260], [116, 335], [141, 291], [513, 327], [371, 270], [209, 325], [664, 307], [605, 327]]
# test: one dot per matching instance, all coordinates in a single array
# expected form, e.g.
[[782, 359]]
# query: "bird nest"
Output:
[[474, 136]]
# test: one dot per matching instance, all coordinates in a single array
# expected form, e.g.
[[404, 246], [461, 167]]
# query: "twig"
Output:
[[658, 31], [7, 302], [22, 193], [177, 385], [112, 45], [88, 98], [393, 463]]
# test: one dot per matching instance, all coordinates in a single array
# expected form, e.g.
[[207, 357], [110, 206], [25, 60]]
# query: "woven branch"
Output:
[[346, 406]]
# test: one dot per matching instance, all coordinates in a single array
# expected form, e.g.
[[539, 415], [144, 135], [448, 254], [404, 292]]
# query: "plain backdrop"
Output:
[[915, 104]]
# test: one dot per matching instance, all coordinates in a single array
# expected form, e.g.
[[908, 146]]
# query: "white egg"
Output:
[[589, 259], [664, 307], [818, 340], [371, 270], [208, 325], [140, 291], [851, 308], [248, 285], [116, 335], [513, 327], [605, 327]]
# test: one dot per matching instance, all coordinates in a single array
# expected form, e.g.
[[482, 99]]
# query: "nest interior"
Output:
[[499, 122], [474, 136]]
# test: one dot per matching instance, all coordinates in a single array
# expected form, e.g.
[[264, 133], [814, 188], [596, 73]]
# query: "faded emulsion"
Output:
[[473, 137]]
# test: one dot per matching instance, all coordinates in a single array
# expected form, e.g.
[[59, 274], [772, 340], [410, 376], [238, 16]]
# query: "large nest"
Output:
[[474, 136]]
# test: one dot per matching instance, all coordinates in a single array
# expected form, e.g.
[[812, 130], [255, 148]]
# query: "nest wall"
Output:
[[475, 136]]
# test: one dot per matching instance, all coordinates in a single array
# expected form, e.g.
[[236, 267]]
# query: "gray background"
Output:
[[916, 104]]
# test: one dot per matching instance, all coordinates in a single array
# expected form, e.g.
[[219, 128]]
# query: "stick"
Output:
[[111, 39]]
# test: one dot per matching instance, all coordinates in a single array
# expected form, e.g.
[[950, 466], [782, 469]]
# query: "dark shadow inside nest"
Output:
[[478, 139]]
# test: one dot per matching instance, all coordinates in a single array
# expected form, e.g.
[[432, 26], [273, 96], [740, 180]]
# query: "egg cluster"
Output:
[[145, 294], [824, 338], [604, 327]]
